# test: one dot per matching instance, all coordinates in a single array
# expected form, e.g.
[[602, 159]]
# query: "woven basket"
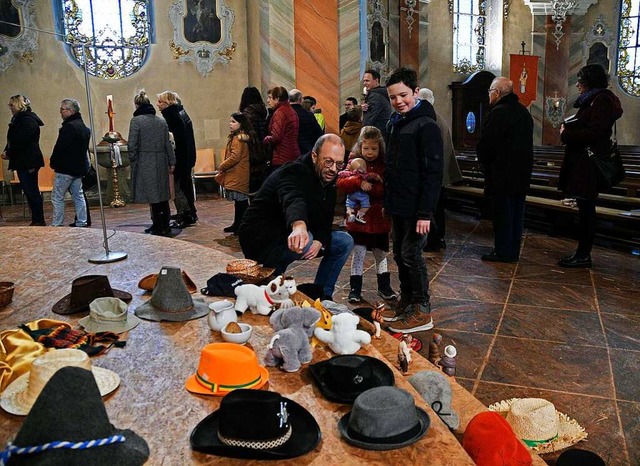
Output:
[[263, 276], [6, 293], [245, 267]]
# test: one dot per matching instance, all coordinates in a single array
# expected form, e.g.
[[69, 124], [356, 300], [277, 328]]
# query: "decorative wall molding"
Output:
[[545, 7], [599, 32], [554, 109], [25, 44], [200, 50], [378, 34]]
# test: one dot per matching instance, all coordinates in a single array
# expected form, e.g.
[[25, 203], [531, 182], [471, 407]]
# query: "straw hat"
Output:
[[540, 426], [108, 315], [225, 367], [21, 394]]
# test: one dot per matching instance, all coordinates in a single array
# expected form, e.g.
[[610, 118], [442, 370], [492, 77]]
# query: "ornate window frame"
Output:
[[477, 34], [628, 79], [25, 44], [600, 32], [203, 54]]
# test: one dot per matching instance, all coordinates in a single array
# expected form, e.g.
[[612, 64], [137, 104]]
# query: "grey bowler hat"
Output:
[[171, 300], [384, 418], [436, 390]]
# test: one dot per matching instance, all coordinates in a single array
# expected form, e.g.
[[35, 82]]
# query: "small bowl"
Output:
[[239, 338]]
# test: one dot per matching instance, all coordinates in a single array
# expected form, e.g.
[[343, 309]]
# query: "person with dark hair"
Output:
[[309, 102], [283, 128], [589, 129], [254, 109], [349, 103], [308, 128], [24, 154], [413, 177], [236, 167], [291, 216], [376, 107], [69, 160], [152, 163], [505, 151], [181, 127]]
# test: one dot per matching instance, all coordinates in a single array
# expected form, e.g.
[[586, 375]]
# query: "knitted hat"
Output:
[[435, 388], [108, 315], [537, 422], [171, 300], [69, 416], [384, 418], [84, 290], [489, 440], [21, 394]]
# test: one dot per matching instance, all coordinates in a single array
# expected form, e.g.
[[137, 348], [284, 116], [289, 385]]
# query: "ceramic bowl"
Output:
[[240, 338]]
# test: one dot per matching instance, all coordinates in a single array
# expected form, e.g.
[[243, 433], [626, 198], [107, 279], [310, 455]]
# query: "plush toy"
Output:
[[290, 345], [263, 299], [344, 337], [325, 320]]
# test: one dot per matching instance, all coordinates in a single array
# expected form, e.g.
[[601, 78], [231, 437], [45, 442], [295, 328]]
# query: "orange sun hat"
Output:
[[225, 367]]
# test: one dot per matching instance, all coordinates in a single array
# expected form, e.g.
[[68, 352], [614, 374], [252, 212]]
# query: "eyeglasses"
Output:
[[491, 90], [328, 163]]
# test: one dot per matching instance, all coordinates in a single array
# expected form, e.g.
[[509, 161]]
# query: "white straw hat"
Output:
[[539, 425], [21, 394]]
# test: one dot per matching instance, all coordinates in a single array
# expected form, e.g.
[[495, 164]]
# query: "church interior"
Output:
[[523, 330]]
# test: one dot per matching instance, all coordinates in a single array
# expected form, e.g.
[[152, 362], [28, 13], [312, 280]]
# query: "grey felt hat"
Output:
[[384, 418], [435, 388], [108, 315], [70, 409], [171, 300]]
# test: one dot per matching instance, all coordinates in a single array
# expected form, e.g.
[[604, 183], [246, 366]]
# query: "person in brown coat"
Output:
[[233, 173]]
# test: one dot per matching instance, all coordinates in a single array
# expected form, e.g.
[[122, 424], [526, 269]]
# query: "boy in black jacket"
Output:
[[413, 177]]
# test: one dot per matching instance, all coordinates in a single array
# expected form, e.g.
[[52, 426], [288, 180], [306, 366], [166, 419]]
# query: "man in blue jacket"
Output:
[[70, 163], [291, 216]]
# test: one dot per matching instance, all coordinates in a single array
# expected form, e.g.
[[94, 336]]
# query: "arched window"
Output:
[[628, 71], [469, 20], [114, 34]]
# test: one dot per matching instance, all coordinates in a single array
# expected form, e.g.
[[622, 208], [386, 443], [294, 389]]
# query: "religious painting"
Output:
[[377, 38], [599, 55], [596, 44], [523, 71], [16, 42], [202, 33], [376, 43]]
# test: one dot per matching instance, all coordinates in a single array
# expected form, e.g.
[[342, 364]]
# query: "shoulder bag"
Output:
[[609, 167]]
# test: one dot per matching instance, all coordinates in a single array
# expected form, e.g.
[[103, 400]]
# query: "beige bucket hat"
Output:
[[21, 394], [539, 425], [108, 315]]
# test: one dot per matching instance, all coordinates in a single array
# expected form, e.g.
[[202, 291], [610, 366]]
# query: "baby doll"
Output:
[[358, 167]]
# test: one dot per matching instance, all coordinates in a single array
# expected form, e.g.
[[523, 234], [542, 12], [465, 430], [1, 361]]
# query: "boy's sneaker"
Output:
[[416, 320], [351, 219], [392, 315], [360, 219]]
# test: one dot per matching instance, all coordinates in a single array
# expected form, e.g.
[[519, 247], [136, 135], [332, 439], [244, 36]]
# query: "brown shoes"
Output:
[[417, 318]]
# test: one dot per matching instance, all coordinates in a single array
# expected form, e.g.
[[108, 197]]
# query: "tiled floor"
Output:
[[521, 330]]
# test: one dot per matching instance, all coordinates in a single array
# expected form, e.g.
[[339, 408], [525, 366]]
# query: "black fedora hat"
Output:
[[84, 290], [343, 378], [69, 409], [257, 424], [384, 418]]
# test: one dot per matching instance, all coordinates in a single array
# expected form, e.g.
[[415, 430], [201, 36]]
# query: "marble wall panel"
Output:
[[277, 54], [349, 50]]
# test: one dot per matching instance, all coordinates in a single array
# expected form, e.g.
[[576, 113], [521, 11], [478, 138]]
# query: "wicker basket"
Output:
[[6, 293], [245, 267]]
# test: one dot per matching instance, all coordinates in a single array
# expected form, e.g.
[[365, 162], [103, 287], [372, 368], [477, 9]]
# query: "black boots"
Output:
[[240, 207], [160, 216], [355, 293], [384, 286]]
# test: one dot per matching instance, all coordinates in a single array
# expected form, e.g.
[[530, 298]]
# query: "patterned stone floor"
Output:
[[521, 330]]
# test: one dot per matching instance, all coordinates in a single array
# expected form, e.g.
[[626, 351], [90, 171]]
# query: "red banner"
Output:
[[523, 71]]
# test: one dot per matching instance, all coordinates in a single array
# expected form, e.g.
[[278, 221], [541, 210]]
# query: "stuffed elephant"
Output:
[[290, 345], [343, 337]]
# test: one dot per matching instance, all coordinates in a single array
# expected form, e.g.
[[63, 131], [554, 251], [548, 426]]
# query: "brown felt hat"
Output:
[[84, 290]]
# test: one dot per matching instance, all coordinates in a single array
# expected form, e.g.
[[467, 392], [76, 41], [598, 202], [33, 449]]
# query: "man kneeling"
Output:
[[291, 216]]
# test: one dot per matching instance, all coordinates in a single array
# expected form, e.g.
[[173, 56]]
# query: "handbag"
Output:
[[609, 167]]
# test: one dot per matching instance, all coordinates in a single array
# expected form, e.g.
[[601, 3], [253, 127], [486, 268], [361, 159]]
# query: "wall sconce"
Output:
[[555, 109]]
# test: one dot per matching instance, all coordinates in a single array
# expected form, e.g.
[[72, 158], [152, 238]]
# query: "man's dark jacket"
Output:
[[506, 147], [180, 125], [69, 155], [293, 192], [23, 141], [308, 129], [379, 108], [413, 164]]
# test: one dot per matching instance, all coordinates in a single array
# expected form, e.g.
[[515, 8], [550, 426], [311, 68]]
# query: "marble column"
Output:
[[349, 50], [409, 35], [277, 51]]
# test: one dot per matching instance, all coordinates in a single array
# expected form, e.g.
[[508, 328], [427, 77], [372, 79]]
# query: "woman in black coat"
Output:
[[24, 154], [254, 109], [591, 127]]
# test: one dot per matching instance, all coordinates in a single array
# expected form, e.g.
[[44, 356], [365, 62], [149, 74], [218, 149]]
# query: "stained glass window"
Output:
[[115, 34], [628, 71], [469, 29]]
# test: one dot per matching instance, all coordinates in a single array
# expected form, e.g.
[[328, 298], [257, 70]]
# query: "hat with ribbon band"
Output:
[[68, 425], [84, 290], [108, 315], [257, 424], [342, 378], [225, 367]]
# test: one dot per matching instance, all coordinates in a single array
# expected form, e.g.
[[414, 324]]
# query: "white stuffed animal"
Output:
[[262, 299], [344, 337]]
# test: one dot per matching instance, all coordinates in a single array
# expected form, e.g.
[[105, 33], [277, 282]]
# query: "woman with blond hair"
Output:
[[24, 154]]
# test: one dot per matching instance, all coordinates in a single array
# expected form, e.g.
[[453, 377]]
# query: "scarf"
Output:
[[145, 109], [586, 97]]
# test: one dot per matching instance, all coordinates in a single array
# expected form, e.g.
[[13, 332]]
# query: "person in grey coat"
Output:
[[152, 161]]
